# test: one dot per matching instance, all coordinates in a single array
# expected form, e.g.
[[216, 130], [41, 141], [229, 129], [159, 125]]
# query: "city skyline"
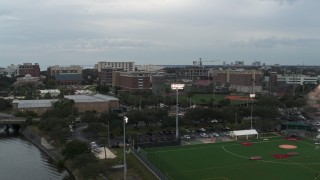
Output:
[[166, 32]]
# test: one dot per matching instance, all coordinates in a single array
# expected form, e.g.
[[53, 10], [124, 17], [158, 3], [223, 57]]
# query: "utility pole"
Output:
[[236, 120], [293, 83]]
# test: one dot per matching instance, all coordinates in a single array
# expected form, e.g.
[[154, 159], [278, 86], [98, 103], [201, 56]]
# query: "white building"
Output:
[[149, 67], [52, 92], [296, 79], [10, 71], [125, 66]]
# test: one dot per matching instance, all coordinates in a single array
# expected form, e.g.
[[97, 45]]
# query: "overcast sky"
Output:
[[65, 32]]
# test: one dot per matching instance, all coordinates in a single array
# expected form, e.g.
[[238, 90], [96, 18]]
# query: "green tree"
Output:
[[50, 83], [224, 102], [81, 160], [6, 82], [75, 148], [63, 108], [91, 171], [55, 127], [102, 89], [4, 104], [47, 96], [89, 116]]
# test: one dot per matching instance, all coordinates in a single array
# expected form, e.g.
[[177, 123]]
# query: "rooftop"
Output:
[[44, 103], [88, 98]]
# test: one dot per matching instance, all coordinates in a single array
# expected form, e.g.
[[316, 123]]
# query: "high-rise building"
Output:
[[239, 63], [124, 66]]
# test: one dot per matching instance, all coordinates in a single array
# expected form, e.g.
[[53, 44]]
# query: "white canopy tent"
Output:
[[244, 133]]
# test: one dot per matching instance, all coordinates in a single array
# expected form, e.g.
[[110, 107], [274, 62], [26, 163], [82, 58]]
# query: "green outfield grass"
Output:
[[230, 160]]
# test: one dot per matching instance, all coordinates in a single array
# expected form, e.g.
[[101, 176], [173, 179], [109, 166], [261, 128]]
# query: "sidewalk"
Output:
[[45, 144]]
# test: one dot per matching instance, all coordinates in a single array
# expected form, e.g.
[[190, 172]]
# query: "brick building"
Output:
[[248, 81], [28, 68], [132, 81], [106, 75]]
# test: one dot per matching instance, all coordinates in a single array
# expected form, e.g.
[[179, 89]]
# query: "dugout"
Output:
[[246, 133], [295, 128], [158, 144]]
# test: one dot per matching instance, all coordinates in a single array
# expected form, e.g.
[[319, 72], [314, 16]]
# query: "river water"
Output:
[[20, 159]]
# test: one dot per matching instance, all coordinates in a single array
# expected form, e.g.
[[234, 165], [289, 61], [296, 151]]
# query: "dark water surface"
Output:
[[21, 160]]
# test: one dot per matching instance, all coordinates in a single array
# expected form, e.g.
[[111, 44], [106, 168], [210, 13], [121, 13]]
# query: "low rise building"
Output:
[[69, 79], [296, 79], [52, 92], [39, 106], [10, 71], [28, 79], [55, 70], [98, 102]]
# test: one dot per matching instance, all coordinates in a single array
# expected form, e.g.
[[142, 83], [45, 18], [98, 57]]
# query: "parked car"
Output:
[[97, 150], [201, 130], [204, 135], [215, 134], [186, 137], [93, 145], [214, 121]]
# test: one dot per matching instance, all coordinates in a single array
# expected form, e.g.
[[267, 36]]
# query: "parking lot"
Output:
[[189, 136], [203, 135]]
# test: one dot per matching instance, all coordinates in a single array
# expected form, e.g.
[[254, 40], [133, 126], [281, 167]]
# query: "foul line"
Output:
[[276, 162], [234, 153]]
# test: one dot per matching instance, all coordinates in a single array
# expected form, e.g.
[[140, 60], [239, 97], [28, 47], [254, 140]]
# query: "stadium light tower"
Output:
[[177, 87], [251, 98], [125, 120]]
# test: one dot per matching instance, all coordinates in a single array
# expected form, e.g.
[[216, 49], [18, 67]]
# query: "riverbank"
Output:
[[45, 147]]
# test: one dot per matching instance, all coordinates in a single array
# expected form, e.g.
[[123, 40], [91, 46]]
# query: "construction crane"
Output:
[[199, 63]]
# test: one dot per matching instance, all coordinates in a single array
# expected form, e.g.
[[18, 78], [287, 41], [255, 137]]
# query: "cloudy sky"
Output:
[[66, 32]]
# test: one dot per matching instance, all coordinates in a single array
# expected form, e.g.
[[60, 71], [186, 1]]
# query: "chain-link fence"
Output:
[[142, 156]]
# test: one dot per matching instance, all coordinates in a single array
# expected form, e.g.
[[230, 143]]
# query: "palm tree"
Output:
[[104, 142], [190, 94]]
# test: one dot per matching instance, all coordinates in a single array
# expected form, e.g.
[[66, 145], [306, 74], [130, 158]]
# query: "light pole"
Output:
[[251, 97], [125, 120], [109, 134], [177, 87]]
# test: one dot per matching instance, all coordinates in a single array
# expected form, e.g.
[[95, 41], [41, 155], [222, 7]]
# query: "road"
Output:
[[78, 134]]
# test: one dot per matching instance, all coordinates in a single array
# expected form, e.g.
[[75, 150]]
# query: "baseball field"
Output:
[[267, 158]]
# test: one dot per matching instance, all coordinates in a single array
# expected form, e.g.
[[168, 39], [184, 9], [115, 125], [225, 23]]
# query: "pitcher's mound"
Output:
[[287, 146]]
